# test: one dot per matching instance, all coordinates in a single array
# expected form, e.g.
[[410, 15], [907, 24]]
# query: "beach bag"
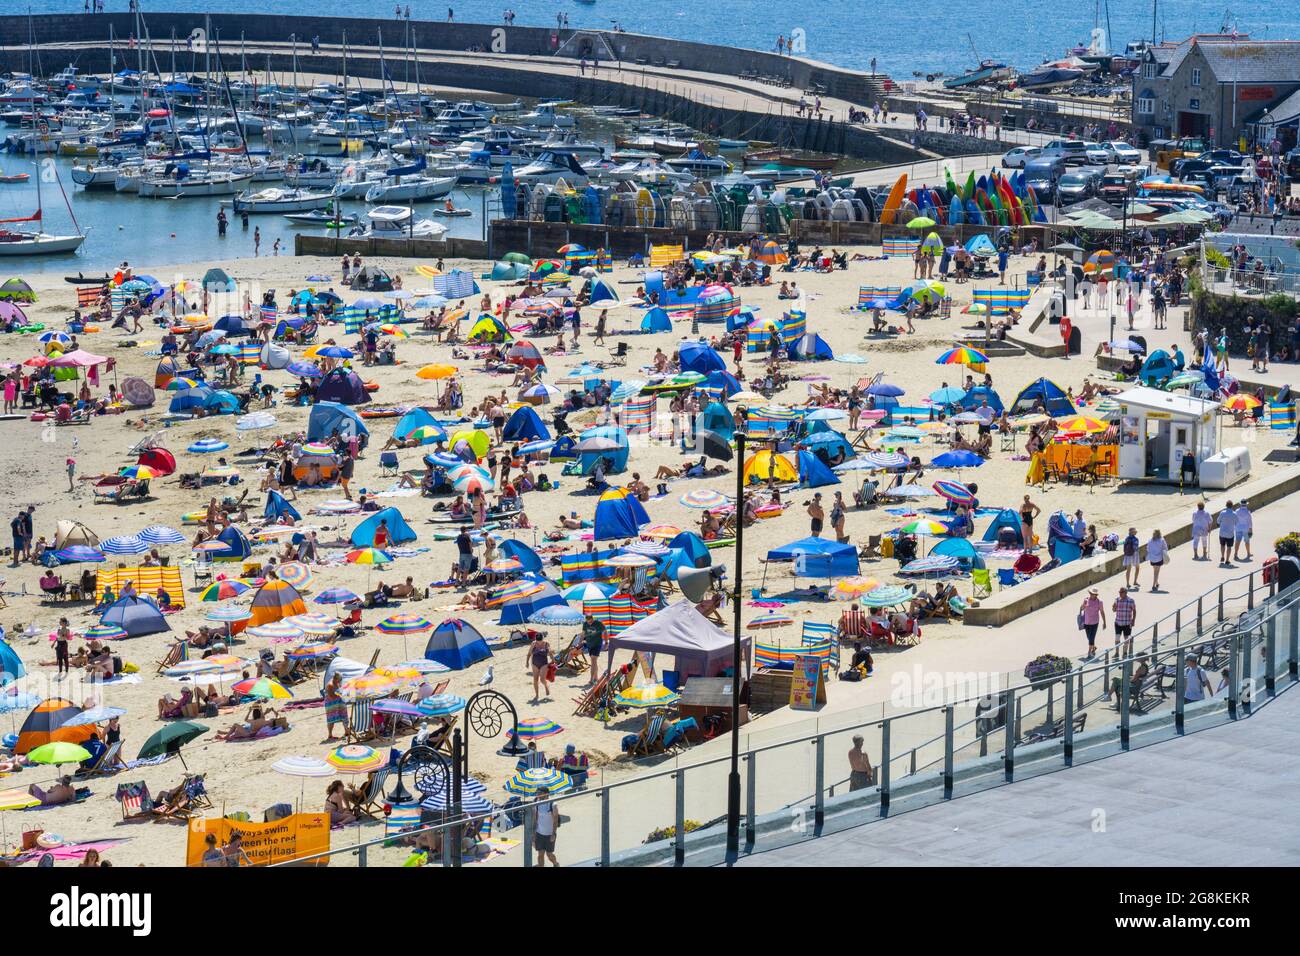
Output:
[[551, 671], [1079, 620]]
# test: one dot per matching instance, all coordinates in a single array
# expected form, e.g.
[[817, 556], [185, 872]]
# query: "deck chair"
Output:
[[650, 740], [135, 801], [374, 799], [674, 737], [388, 463], [175, 654], [440, 738], [361, 722], [196, 793], [981, 583], [109, 762], [1007, 440], [202, 572], [872, 548], [572, 657], [277, 811]]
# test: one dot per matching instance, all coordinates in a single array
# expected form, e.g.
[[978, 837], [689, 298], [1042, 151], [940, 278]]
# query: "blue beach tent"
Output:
[[1051, 395], [618, 515], [811, 347], [399, 532], [525, 425], [972, 399], [717, 419], [616, 457], [813, 472], [818, 558], [277, 505], [456, 644], [135, 615], [327, 417], [1006, 525], [656, 320], [419, 418], [526, 556], [237, 546]]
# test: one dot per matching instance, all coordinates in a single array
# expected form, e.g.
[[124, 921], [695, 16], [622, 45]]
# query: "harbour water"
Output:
[[922, 35]]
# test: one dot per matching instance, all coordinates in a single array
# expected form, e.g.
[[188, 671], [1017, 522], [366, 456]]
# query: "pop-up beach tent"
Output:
[[456, 644], [136, 616], [618, 515], [419, 418], [277, 506], [521, 609], [524, 425], [343, 386], [329, 417], [1005, 528], [399, 532], [697, 645], [817, 558], [813, 472], [656, 320], [1051, 395]]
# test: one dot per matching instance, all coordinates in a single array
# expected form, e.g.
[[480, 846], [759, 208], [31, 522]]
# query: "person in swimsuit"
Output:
[[539, 662], [1028, 512], [817, 515]]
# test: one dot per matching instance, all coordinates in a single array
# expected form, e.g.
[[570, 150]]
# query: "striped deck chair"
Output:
[[945, 307], [374, 798], [572, 657], [402, 816], [651, 739], [1281, 415], [135, 801], [816, 635], [900, 246], [361, 722]]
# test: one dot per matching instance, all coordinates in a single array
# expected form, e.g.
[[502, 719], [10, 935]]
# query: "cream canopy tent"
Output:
[[68, 532], [700, 647]]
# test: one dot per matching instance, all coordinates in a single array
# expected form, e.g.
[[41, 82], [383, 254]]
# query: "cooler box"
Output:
[[1225, 469]]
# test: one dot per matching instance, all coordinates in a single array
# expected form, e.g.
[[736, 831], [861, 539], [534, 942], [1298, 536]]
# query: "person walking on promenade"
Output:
[[1125, 616], [1201, 524], [1227, 521], [1245, 525], [1092, 614], [1157, 555]]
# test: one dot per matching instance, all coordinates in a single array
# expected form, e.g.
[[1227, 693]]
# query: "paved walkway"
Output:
[[1220, 797]]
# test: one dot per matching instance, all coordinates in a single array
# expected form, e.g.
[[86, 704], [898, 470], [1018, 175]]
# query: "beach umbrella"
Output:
[[436, 372], [295, 573], [1082, 423], [336, 596], [355, 758], [170, 739], [704, 498], [954, 491], [1126, 345], [947, 396], [277, 630], [160, 534], [517, 257], [334, 352], [879, 459], [404, 624], [921, 222], [924, 526], [208, 446], [303, 767], [441, 705], [59, 338], [962, 355], [123, 544], [769, 620], [555, 615], [649, 549], [957, 459], [93, 715], [80, 554], [647, 695], [58, 752], [537, 447], [1188, 377], [224, 590], [540, 394], [313, 623], [1242, 402], [468, 484], [850, 589], [905, 431], [104, 632], [827, 415], [626, 390], [928, 289], [884, 390], [181, 383], [255, 421], [908, 491], [471, 803], [312, 650], [304, 370], [588, 591], [317, 448], [888, 595], [465, 469], [665, 531], [528, 783], [504, 566], [630, 561], [372, 684], [515, 590], [423, 666], [536, 728], [263, 688], [186, 669], [229, 614], [368, 556], [1100, 261]]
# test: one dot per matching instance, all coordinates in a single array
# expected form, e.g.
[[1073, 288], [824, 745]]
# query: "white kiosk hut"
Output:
[[1159, 431]]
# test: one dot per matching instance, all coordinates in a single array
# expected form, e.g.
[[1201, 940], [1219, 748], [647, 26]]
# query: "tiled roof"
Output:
[[1277, 61]]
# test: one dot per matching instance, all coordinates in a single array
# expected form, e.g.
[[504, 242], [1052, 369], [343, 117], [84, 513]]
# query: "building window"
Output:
[[1146, 106], [1196, 77], [1150, 71]]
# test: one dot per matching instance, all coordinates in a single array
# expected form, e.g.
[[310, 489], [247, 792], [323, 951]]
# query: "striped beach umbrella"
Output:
[[504, 566], [536, 447], [473, 804], [208, 446], [703, 498], [1100, 261], [313, 623], [391, 705], [648, 549], [588, 591], [441, 705], [465, 470], [626, 390], [423, 666], [369, 685], [399, 673], [336, 596], [472, 483], [556, 615], [665, 532], [647, 695], [887, 595], [303, 767], [513, 591], [123, 544], [630, 561], [317, 448], [355, 758], [263, 688], [276, 631], [313, 650], [296, 573], [368, 556], [186, 668], [535, 728], [954, 491], [528, 783], [138, 473], [769, 620], [224, 590], [850, 589], [79, 554], [229, 614], [924, 526], [1242, 402], [404, 624], [104, 632], [886, 459], [1082, 423], [962, 355], [161, 534], [255, 421]]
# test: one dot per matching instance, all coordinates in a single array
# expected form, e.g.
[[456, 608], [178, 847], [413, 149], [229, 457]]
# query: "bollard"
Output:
[[884, 768], [604, 826], [1069, 716], [1125, 682], [947, 752]]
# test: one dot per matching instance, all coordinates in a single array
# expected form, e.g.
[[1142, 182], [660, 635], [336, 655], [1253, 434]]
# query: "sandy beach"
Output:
[[239, 778]]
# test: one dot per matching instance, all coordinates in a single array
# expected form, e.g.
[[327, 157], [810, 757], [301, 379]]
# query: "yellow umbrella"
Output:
[[437, 371], [427, 271], [1082, 423]]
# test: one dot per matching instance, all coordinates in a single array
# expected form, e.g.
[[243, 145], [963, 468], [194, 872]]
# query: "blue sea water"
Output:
[[918, 35]]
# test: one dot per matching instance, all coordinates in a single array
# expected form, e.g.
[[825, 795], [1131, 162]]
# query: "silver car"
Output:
[[1017, 157]]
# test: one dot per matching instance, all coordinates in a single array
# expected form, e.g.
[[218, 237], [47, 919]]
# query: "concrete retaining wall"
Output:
[[449, 248]]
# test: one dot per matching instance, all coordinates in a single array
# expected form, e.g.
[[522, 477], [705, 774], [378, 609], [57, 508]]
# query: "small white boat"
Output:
[[398, 222], [96, 175], [322, 217], [36, 243], [276, 200], [546, 116], [169, 185], [410, 189]]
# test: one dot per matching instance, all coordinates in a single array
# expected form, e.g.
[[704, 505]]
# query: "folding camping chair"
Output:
[[618, 355], [981, 583], [1007, 440], [388, 463]]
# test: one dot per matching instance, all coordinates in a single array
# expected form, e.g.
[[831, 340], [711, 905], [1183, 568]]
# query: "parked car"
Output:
[[1115, 185], [1077, 185], [1122, 152], [1017, 157], [1043, 173], [1074, 152]]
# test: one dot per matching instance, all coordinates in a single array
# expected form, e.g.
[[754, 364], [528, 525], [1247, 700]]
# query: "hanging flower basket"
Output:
[[1047, 668]]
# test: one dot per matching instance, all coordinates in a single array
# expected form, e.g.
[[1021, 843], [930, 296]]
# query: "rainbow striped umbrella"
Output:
[[664, 531], [277, 630], [513, 592], [369, 685], [313, 623], [223, 590], [104, 632], [1082, 423], [312, 650], [317, 448], [355, 758], [962, 355], [368, 556], [768, 620], [704, 498], [954, 491], [404, 624], [647, 695], [924, 526], [229, 614], [265, 688], [441, 705], [1100, 261], [535, 728], [528, 783], [336, 596], [849, 589], [183, 668], [504, 565], [295, 573]]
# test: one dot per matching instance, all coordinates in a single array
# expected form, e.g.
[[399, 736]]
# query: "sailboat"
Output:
[[18, 242]]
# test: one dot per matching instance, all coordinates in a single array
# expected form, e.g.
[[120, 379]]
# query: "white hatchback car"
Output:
[[1017, 157]]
